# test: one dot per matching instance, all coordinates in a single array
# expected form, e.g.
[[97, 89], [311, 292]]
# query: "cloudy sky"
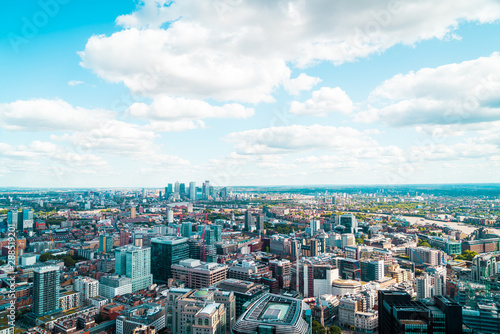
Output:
[[126, 93]]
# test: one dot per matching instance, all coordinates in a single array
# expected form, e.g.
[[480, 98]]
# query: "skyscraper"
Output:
[[177, 187], [182, 188], [192, 191], [166, 251], [249, 220], [12, 218], [206, 189], [45, 290], [105, 243], [135, 263]]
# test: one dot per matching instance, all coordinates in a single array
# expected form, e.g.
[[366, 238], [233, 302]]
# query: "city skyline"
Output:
[[140, 94]]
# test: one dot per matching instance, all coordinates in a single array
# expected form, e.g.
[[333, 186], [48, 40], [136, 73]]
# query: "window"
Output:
[[206, 322], [200, 322]]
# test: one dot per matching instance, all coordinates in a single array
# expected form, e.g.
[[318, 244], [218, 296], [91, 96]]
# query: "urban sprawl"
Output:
[[207, 259]]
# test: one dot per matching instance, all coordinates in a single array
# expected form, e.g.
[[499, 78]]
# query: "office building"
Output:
[[206, 190], [425, 256], [182, 188], [196, 274], [348, 240], [245, 292], [138, 316], [199, 311], [281, 270], [399, 314], [372, 270], [273, 314], [135, 263], [177, 187], [349, 223], [192, 191], [318, 279], [249, 221], [483, 266], [350, 269], [46, 290], [187, 229], [112, 286], [167, 251]]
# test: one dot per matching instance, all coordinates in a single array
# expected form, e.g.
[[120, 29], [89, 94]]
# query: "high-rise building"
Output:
[[315, 226], [105, 243], [314, 247], [12, 218], [206, 190], [166, 251], [260, 222], [423, 287], [192, 191], [249, 221], [281, 270], [399, 314], [217, 232], [177, 187], [135, 263], [349, 222], [182, 188], [46, 290], [25, 220], [124, 238], [133, 212], [87, 286], [372, 270], [187, 229], [426, 256], [169, 190]]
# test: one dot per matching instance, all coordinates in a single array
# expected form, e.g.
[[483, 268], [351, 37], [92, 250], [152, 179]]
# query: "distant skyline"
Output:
[[140, 94]]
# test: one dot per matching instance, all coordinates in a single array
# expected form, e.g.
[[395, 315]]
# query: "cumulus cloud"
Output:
[[166, 108], [323, 101], [467, 92], [242, 50], [300, 83], [298, 138], [50, 115]]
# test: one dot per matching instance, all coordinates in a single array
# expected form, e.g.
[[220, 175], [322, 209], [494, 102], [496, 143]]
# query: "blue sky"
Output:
[[126, 93]]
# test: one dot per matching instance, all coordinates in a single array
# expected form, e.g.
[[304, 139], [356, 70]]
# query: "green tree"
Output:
[[68, 261], [46, 256], [335, 330], [318, 328], [360, 241]]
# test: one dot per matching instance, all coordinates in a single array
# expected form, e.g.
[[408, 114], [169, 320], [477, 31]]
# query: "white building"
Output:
[[423, 287], [87, 286], [366, 322]]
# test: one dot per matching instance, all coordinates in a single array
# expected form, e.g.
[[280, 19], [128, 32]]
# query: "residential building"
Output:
[[46, 290]]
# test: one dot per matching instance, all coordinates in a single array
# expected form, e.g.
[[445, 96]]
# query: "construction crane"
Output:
[[179, 226], [203, 238]]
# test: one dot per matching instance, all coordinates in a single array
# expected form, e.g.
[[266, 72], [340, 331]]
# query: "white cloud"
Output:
[[467, 92], [239, 50], [323, 101], [300, 83], [75, 82], [296, 138], [50, 115], [165, 108]]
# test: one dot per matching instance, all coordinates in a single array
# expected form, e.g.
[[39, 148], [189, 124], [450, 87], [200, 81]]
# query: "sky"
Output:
[[287, 92]]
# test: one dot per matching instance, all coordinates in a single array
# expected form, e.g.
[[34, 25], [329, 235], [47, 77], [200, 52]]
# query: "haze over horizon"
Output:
[[140, 94]]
